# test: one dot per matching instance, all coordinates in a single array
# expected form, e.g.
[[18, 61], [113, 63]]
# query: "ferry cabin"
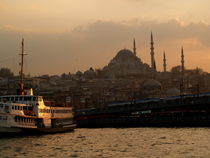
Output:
[[35, 106], [29, 111]]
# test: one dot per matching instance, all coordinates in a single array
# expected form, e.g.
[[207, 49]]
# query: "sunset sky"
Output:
[[71, 35]]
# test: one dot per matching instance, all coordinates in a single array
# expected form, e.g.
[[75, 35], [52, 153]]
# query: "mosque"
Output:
[[128, 66], [127, 63]]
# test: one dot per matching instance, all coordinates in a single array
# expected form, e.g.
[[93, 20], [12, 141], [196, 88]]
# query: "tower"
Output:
[[164, 62], [182, 87], [182, 60], [152, 53], [134, 47]]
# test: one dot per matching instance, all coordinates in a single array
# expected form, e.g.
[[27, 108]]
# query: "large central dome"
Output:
[[125, 55], [125, 63]]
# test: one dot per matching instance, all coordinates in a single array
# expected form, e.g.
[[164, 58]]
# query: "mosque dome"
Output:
[[89, 73], [126, 63], [125, 55], [151, 85], [173, 92]]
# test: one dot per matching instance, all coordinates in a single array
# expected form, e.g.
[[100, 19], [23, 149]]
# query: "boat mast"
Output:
[[21, 69]]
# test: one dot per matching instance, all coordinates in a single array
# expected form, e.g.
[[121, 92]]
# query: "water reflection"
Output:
[[111, 142]]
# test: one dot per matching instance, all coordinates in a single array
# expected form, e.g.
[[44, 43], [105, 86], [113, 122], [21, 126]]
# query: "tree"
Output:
[[6, 72], [176, 69], [65, 76], [79, 73], [99, 73]]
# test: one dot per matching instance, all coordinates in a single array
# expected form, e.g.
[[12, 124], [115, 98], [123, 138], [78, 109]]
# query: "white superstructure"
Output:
[[19, 112]]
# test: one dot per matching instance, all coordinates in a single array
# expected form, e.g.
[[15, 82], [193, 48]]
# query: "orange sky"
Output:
[[70, 35]]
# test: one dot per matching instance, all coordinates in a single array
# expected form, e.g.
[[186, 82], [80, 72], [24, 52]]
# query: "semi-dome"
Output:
[[151, 85], [89, 73], [173, 92]]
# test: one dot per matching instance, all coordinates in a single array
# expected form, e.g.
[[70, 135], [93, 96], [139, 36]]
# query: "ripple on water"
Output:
[[110, 142]]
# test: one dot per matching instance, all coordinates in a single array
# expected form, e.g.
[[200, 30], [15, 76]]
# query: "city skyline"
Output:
[[72, 35]]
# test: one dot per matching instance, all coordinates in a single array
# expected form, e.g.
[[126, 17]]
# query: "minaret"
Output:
[[152, 54], [182, 59], [155, 66], [182, 72], [134, 47], [164, 62]]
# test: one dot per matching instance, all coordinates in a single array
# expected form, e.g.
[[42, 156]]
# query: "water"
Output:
[[112, 143]]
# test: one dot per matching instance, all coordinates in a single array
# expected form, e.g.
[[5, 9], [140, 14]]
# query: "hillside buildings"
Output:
[[125, 78]]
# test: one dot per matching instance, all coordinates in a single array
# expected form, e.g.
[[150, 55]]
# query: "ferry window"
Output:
[[12, 98], [16, 98], [27, 98], [21, 98], [0, 99], [5, 99], [34, 98], [6, 107], [1, 105]]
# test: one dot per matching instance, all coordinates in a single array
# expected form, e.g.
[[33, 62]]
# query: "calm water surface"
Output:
[[111, 142]]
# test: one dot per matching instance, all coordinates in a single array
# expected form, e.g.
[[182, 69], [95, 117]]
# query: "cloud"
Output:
[[172, 30], [95, 44]]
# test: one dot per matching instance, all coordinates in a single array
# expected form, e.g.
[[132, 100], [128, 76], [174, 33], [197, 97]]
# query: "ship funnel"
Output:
[[28, 91]]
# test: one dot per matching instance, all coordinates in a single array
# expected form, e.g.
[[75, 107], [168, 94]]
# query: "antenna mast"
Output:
[[21, 70]]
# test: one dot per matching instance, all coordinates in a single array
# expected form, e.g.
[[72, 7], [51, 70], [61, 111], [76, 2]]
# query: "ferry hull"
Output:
[[56, 130], [10, 130], [15, 130]]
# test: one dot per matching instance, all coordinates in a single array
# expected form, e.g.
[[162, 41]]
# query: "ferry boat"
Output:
[[26, 112]]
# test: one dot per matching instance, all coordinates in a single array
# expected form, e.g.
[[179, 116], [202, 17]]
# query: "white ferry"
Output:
[[27, 112]]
